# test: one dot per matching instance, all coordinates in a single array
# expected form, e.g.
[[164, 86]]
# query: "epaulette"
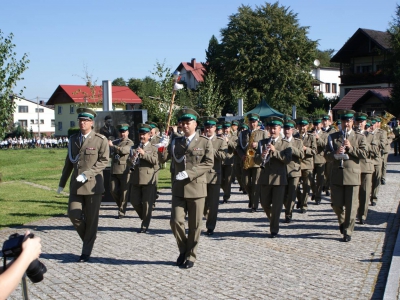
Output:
[[358, 132], [100, 135], [221, 138], [204, 137], [297, 139]]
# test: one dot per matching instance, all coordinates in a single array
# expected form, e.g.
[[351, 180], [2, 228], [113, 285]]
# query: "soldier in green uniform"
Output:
[[307, 162], [119, 178], [327, 128], [319, 160], [345, 148], [238, 162], [214, 176], [385, 152], [194, 157], [366, 165], [155, 139], [396, 132], [293, 167], [143, 162], [87, 157], [227, 163], [379, 136], [248, 143], [273, 154]]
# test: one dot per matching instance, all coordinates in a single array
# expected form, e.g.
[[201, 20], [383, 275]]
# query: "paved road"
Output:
[[307, 261]]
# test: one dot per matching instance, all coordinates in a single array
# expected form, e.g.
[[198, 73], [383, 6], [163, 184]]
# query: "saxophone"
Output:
[[250, 153]]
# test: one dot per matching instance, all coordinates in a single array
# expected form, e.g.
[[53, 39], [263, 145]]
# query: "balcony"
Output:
[[365, 78]]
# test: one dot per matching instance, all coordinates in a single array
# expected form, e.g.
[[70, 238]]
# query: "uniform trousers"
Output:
[[396, 144], [316, 185], [272, 202], [83, 211], [302, 196], [195, 208], [238, 169], [119, 191], [328, 171], [290, 195], [250, 181], [384, 165], [364, 195], [345, 205], [211, 205], [142, 199], [226, 183], [376, 182]]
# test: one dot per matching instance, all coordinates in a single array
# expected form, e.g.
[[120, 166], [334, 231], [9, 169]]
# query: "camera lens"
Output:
[[35, 271]]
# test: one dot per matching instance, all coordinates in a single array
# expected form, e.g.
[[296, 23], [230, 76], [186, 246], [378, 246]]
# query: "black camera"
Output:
[[13, 248]]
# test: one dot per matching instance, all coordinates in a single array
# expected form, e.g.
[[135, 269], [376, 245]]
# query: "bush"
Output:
[[72, 131]]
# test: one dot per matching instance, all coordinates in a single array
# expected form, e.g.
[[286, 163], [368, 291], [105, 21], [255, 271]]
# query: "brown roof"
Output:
[[197, 70], [354, 95]]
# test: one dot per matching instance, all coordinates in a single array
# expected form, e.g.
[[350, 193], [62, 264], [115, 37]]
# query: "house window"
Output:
[[334, 88], [60, 110], [327, 87], [53, 123], [41, 110], [71, 109], [363, 69], [23, 123], [59, 125], [72, 124], [41, 121], [22, 109], [32, 121]]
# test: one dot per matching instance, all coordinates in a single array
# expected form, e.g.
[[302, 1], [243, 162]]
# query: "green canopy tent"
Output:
[[264, 110]]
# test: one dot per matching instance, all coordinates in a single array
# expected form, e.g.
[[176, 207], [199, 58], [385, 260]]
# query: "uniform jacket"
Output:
[[120, 154], [220, 148], [229, 158], [275, 171], [144, 172], [199, 160], [367, 163], [351, 174], [93, 159], [155, 140], [294, 166], [319, 157], [310, 142], [243, 140]]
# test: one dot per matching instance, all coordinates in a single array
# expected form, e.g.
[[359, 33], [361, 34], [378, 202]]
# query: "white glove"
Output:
[[81, 178], [182, 175], [60, 189]]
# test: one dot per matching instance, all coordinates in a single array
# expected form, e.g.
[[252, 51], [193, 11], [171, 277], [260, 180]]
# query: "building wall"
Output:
[[331, 81], [189, 79], [29, 119], [373, 104], [345, 89]]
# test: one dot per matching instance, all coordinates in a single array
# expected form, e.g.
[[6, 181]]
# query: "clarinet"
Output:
[[134, 157], [344, 139], [267, 156]]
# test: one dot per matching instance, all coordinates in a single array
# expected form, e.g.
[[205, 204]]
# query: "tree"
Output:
[[213, 55], [209, 96], [268, 53], [119, 82], [11, 70], [324, 58], [394, 70]]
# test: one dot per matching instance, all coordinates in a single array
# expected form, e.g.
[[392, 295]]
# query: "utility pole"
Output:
[[38, 121]]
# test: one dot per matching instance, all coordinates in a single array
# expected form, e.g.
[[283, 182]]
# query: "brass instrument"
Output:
[[385, 119], [250, 153]]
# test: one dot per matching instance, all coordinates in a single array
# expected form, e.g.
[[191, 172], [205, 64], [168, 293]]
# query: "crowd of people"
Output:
[[279, 163], [35, 142]]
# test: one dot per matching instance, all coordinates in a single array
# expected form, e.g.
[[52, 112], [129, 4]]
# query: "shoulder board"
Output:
[[99, 135], [201, 136], [221, 138], [297, 139]]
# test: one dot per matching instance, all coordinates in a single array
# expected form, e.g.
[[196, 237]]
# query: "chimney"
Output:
[[193, 62], [41, 102]]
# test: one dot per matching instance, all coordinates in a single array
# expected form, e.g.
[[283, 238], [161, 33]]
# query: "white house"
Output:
[[327, 81], [31, 115], [191, 73]]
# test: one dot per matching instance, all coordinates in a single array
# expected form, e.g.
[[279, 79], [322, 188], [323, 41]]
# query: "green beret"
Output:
[[289, 123], [219, 126], [326, 117], [302, 121], [287, 117], [143, 128], [373, 121], [123, 127], [316, 120], [244, 126], [368, 123], [86, 113], [253, 117], [187, 114], [359, 116], [209, 121], [378, 119]]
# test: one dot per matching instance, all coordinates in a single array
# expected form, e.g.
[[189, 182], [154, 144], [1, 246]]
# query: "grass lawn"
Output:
[[21, 203]]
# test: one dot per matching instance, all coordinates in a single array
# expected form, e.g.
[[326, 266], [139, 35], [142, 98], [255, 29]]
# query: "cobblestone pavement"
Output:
[[307, 261]]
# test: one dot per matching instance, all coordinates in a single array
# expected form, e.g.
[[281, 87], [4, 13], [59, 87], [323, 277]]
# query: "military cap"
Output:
[[108, 117], [143, 128], [187, 114], [373, 120], [244, 126], [287, 117], [235, 123], [274, 121], [377, 119], [219, 126], [226, 124], [302, 121], [316, 120], [123, 127], [209, 121], [152, 124], [86, 113], [325, 117], [289, 123], [253, 117], [368, 123], [346, 114], [339, 122], [360, 116]]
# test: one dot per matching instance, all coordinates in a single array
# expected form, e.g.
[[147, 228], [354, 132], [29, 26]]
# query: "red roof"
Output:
[[197, 70], [354, 95], [77, 94]]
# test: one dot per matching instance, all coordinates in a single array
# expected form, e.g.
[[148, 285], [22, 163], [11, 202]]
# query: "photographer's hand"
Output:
[[10, 279]]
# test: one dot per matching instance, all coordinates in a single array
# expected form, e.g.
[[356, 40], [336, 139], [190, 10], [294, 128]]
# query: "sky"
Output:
[[125, 38]]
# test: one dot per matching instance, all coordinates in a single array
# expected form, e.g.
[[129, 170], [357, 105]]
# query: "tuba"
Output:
[[250, 153], [386, 118]]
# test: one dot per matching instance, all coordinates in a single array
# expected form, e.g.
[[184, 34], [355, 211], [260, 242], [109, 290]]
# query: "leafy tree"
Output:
[[324, 58], [394, 32], [11, 70], [268, 53], [209, 96], [119, 82]]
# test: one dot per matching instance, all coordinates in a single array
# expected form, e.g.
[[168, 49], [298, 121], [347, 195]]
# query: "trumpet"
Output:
[[134, 157], [267, 156]]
